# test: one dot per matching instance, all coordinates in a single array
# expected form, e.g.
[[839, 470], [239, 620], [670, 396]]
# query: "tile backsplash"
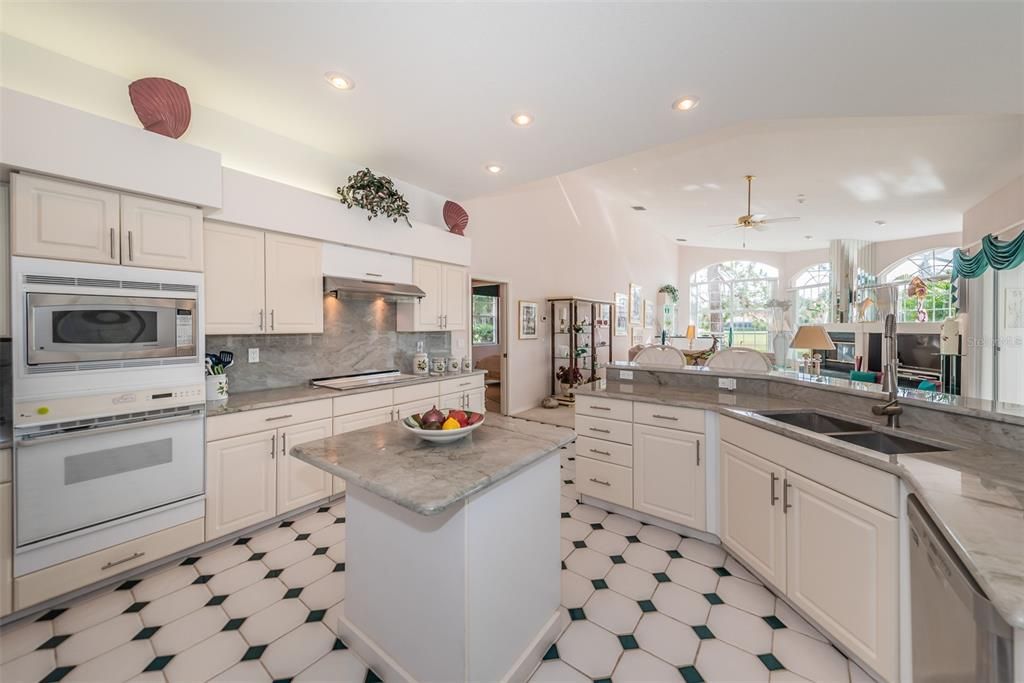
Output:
[[358, 335]]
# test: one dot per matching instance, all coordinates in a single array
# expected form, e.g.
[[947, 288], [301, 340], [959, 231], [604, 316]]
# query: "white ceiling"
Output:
[[437, 83], [918, 174]]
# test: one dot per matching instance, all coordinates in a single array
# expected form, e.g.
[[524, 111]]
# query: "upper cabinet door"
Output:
[[60, 220], [234, 289], [295, 288], [668, 475], [364, 264], [456, 297], [428, 276], [753, 525], [156, 234]]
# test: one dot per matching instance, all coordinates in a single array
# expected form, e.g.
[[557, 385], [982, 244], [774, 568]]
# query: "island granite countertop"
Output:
[[974, 492], [428, 478]]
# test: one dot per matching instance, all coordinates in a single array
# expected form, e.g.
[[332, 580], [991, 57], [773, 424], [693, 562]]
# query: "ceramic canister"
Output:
[[420, 364], [454, 364], [467, 364], [437, 365]]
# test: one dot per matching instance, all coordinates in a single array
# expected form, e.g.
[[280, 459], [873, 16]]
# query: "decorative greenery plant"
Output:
[[376, 194], [672, 292]]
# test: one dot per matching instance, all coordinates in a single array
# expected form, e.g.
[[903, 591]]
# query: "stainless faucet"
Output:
[[892, 410]]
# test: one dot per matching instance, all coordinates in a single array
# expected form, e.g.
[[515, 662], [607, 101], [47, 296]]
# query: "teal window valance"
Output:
[[995, 253]]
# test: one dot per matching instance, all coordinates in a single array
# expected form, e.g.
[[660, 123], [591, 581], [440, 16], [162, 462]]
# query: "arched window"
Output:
[[732, 298], [934, 267], [812, 294]]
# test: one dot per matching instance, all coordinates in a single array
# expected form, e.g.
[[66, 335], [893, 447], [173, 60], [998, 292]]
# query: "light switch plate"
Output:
[[727, 383], [625, 374], [254, 355]]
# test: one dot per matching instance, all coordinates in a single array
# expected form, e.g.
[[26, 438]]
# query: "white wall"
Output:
[[1002, 209], [551, 238]]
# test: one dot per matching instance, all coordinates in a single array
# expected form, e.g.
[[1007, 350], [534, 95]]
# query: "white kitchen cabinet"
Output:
[[669, 475], [235, 275], [5, 261], [472, 400], [364, 264], [475, 401], [752, 522], [299, 483], [842, 570], [294, 285], [404, 410], [241, 482], [446, 302], [6, 550], [61, 220], [157, 234], [367, 418]]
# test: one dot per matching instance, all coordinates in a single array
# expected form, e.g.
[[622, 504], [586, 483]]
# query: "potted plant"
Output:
[[568, 377], [376, 194], [671, 292]]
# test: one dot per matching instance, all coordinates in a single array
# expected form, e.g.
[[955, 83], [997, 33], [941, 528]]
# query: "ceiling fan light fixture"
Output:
[[686, 103]]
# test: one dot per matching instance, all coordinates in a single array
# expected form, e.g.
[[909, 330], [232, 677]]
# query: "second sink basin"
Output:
[[884, 443], [816, 422]]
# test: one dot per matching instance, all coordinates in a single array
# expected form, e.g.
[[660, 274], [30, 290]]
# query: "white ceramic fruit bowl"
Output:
[[440, 435]]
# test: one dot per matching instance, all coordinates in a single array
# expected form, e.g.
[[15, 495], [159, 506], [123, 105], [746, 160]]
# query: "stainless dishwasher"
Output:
[[958, 636]]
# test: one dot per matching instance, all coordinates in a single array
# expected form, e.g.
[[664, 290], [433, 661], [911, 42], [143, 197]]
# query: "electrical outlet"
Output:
[[625, 374], [727, 383], [254, 355]]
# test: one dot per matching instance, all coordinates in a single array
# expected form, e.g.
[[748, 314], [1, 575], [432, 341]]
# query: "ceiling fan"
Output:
[[754, 221]]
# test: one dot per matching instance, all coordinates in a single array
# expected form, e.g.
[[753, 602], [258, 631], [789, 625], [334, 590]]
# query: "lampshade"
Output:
[[812, 337], [691, 332]]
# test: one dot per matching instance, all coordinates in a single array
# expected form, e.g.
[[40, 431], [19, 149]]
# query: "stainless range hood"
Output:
[[352, 288]]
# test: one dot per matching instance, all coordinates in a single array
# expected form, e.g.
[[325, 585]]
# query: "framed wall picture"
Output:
[[604, 315], [636, 304], [528, 320], [636, 336], [649, 314], [621, 314]]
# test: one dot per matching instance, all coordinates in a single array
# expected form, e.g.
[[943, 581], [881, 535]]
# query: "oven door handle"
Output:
[[25, 441]]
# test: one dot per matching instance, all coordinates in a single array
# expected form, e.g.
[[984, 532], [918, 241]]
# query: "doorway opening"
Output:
[[489, 340]]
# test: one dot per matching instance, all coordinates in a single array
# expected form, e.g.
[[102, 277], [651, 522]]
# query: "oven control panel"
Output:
[[68, 408]]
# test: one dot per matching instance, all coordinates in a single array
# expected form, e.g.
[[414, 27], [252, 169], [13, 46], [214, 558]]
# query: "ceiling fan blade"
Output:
[[726, 225], [784, 219]]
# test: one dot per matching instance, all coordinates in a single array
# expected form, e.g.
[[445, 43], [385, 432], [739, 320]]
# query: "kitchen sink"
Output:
[[816, 422], [885, 443]]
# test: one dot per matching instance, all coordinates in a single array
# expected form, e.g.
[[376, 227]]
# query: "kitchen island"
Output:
[[453, 550]]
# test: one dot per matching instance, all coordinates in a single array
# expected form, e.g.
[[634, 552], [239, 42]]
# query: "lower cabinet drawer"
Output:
[[468, 383], [673, 417], [606, 430], [603, 480], [605, 451], [417, 392], [44, 584], [251, 421]]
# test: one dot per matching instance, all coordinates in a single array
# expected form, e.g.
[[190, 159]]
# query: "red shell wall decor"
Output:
[[455, 217], [161, 105]]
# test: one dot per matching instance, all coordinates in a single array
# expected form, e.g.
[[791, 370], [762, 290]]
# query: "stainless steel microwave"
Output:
[[79, 328]]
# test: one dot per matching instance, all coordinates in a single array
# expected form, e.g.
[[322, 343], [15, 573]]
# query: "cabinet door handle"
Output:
[[279, 417], [131, 248], [261, 320], [773, 499], [698, 454], [284, 448], [374, 274], [600, 408], [594, 450], [113, 236], [273, 446], [133, 556], [446, 322], [665, 417], [785, 496], [271, 318], [603, 431], [598, 481]]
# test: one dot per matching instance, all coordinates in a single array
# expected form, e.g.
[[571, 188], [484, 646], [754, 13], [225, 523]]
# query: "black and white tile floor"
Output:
[[644, 604]]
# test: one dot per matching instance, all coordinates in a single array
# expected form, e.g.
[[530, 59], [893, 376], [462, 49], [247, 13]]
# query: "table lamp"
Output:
[[812, 338], [691, 333]]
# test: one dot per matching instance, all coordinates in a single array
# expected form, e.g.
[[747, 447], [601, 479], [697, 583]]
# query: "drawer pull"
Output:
[[594, 450], [773, 498], [600, 408], [665, 417], [133, 556], [597, 429], [375, 274], [279, 417], [598, 481], [465, 384]]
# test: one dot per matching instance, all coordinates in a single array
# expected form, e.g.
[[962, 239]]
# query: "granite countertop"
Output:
[[974, 493], [272, 398], [428, 478]]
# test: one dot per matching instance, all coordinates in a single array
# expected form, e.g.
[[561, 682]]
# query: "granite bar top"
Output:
[[974, 493], [272, 398], [428, 478], [1010, 413]]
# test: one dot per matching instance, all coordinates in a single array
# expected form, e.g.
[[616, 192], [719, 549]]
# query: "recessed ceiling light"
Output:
[[522, 119], [493, 168], [638, 208], [339, 81], [808, 237], [686, 103], [880, 223]]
